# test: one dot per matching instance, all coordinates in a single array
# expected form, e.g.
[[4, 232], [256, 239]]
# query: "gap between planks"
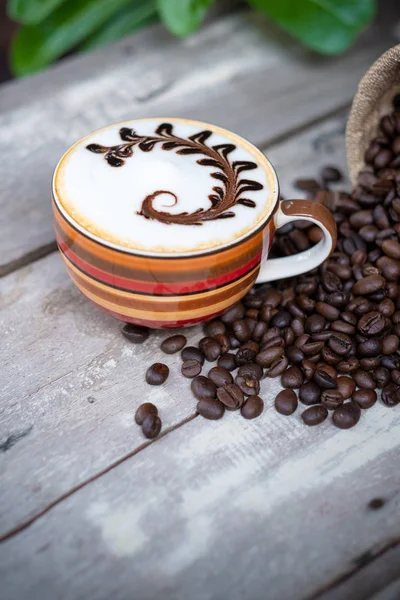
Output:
[[28, 522], [51, 247]]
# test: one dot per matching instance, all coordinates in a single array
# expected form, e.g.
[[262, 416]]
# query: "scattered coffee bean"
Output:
[[347, 415], [266, 357], [173, 344], [248, 383], [246, 354], [203, 388], [278, 367], [346, 387], [391, 394], [210, 348], [324, 380], [135, 333], [227, 361], [314, 415], [251, 369], [331, 174], [192, 353], [390, 344], [144, 410], [241, 330], [309, 393], [210, 408], [292, 378], [252, 408], [364, 379], [157, 373], [331, 399], [190, 368], [151, 426], [220, 376], [365, 397], [286, 402], [231, 396], [213, 328], [233, 314]]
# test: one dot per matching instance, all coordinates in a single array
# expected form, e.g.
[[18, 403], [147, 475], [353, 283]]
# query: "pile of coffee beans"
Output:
[[332, 335]]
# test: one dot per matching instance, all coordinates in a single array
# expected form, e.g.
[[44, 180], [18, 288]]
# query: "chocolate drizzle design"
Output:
[[224, 197]]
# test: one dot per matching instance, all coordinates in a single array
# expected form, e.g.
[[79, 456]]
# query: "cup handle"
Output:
[[300, 210]]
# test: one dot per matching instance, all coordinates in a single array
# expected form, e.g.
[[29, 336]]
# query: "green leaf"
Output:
[[327, 26], [182, 17], [134, 16], [30, 12], [34, 47]]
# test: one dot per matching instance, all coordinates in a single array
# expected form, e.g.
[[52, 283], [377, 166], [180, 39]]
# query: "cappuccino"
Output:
[[157, 186]]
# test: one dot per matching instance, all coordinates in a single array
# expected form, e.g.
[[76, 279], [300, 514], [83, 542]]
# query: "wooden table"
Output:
[[265, 509]]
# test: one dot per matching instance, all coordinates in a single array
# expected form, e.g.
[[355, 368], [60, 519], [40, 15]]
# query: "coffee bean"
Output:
[[272, 297], [292, 378], [307, 184], [390, 344], [348, 366], [234, 343], [314, 415], [340, 343], [253, 300], [144, 410], [251, 324], [322, 336], [233, 313], [391, 248], [365, 397], [372, 323], [288, 336], [251, 369], [211, 409], [324, 380], [252, 408], [210, 348], [286, 402], [227, 361], [135, 333], [364, 379], [231, 396], [173, 344], [395, 376], [347, 415], [331, 399], [224, 342], [203, 388], [361, 218], [331, 174], [308, 368], [297, 327], [309, 393], [391, 394], [245, 355], [329, 356], [259, 331], [190, 368], [368, 285], [241, 330], [328, 369], [390, 362], [295, 310], [383, 158], [192, 353], [370, 364], [281, 319], [390, 267], [213, 328], [151, 426], [295, 355], [314, 324], [343, 327], [248, 383], [331, 282], [252, 313], [266, 357], [369, 348], [346, 387], [326, 310], [381, 376], [157, 373], [220, 376], [278, 367]]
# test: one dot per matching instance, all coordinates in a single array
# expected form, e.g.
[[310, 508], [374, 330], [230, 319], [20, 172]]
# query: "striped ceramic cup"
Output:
[[168, 222]]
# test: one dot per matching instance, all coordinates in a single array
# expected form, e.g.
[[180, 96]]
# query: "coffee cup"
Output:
[[168, 222]]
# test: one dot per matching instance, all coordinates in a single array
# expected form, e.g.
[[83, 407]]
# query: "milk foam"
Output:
[[105, 201]]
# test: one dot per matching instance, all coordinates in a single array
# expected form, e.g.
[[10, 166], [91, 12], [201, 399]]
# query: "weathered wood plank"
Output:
[[59, 353], [375, 580], [237, 72], [219, 510]]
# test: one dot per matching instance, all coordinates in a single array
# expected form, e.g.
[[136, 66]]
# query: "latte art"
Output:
[[165, 186]]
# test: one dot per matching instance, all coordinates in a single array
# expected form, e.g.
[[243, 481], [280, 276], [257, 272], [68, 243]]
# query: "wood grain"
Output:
[[73, 383], [237, 72], [219, 510]]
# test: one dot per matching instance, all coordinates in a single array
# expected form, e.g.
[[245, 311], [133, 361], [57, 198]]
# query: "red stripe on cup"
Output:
[[162, 289]]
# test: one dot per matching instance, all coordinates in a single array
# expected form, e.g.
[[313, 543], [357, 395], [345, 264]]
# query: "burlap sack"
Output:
[[372, 100]]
